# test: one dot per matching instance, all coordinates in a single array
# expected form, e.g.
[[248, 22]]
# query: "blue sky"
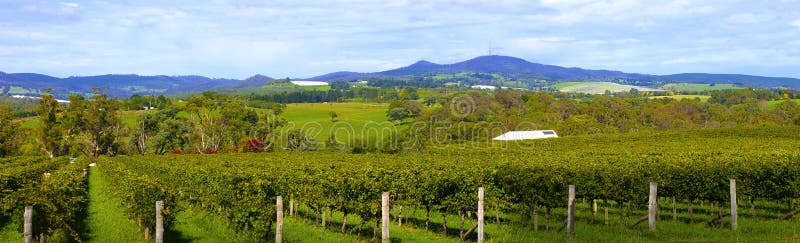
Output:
[[237, 39]]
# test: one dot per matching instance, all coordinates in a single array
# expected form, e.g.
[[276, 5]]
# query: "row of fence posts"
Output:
[[384, 217], [652, 208], [652, 205]]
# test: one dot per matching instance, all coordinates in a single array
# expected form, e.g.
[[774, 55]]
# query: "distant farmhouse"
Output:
[[524, 135]]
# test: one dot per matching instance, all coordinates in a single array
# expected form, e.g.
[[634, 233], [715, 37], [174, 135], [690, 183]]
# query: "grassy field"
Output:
[[128, 118], [699, 87], [354, 119], [595, 87], [21, 90], [703, 98]]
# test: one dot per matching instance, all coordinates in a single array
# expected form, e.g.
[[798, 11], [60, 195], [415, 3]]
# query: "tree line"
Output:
[[481, 115], [214, 122]]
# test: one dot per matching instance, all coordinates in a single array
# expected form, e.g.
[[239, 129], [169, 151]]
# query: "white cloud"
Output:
[[540, 44], [562, 4], [70, 5], [747, 18], [308, 38]]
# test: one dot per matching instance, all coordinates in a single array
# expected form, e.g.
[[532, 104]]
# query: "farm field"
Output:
[[128, 118], [596, 87], [231, 196], [699, 87], [681, 97], [354, 119]]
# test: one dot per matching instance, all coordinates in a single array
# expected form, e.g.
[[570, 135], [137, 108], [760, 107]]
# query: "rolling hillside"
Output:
[[119, 85], [520, 69], [492, 70]]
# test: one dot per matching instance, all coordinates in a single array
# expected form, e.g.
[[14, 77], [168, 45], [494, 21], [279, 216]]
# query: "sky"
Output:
[[300, 39]]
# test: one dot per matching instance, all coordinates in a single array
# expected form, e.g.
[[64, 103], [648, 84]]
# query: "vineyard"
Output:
[[526, 186], [53, 188]]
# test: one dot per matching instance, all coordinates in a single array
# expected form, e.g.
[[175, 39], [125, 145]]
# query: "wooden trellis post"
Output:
[[385, 217], [279, 215], [571, 211], [651, 206], [480, 214], [28, 224], [734, 216], [159, 222]]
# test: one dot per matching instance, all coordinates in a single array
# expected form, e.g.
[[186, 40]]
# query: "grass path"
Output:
[[8, 233], [107, 221]]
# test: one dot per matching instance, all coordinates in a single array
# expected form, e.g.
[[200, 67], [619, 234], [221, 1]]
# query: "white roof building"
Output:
[[523, 135], [483, 87], [308, 83]]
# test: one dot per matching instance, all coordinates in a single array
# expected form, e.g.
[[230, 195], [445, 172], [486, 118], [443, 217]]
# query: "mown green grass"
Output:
[[107, 221], [690, 87], [192, 225], [9, 232], [354, 119]]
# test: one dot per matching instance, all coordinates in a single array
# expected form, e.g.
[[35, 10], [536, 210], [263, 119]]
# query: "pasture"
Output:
[[596, 87]]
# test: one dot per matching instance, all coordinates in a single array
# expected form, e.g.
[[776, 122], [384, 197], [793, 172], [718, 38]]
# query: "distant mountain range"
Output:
[[521, 69], [509, 67], [119, 85]]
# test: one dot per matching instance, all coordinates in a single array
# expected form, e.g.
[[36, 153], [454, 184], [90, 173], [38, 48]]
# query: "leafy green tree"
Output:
[[96, 121], [333, 116], [276, 108], [171, 135], [137, 102], [339, 85], [402, 109], [235, 121], [148, 125], [162, 102], [297, 140], [790, 109], [581, 124], [266, 130], [205, 126], [333, 145], [408, 93], [8, 132], [102, 124], [49, 131], [397, 114]]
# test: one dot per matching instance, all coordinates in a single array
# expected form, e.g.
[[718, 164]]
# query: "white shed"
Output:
[[523, 135]]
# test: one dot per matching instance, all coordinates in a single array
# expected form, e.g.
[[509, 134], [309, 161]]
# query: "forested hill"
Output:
[[119, 85], [520, 69], [480, 70]]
